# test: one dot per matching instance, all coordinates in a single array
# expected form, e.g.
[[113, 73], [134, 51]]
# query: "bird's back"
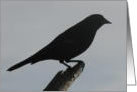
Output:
[[69, 44]]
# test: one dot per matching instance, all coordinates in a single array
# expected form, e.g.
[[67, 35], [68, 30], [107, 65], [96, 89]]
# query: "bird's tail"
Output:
[[18, 65]]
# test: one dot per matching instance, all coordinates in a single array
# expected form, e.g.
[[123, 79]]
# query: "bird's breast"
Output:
[[80, 44]]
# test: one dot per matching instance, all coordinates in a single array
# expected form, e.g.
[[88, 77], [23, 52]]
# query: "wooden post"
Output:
[[63, 79]]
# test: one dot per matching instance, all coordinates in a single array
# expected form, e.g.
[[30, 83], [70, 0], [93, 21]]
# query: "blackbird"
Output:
[[69, 44]]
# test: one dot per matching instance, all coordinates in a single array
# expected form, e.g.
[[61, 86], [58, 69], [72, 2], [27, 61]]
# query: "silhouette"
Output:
[[68, 44]]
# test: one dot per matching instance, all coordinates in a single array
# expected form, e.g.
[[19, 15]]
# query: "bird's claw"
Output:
[[69, 68]]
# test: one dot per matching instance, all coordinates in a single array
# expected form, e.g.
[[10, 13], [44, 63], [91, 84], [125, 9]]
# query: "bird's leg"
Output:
[[78, 62], [62, 62]]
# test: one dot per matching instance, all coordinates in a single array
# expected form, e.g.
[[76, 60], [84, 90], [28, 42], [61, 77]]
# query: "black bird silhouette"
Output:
[[68, 44]]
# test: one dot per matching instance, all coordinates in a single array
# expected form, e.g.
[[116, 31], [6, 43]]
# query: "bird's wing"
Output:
[[55, 46], [58, 45], [68, 41]]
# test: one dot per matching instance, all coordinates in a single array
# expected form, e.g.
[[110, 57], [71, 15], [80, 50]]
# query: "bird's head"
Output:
[[97, 19]]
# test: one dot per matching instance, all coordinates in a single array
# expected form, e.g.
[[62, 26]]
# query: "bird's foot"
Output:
[[68, 66], [79, 62]]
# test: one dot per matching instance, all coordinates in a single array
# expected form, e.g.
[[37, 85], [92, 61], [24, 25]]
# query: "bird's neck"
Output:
[[93, 27]]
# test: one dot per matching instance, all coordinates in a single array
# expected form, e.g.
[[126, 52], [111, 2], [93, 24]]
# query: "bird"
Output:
[[69, 44]]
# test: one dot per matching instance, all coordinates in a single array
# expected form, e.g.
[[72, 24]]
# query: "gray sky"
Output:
[[27, 27]]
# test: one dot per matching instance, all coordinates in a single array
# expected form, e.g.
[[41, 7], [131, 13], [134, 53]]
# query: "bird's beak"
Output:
[[107, 22]]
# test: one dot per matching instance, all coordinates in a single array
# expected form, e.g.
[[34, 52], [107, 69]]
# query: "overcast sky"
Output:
[[28, 26]]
